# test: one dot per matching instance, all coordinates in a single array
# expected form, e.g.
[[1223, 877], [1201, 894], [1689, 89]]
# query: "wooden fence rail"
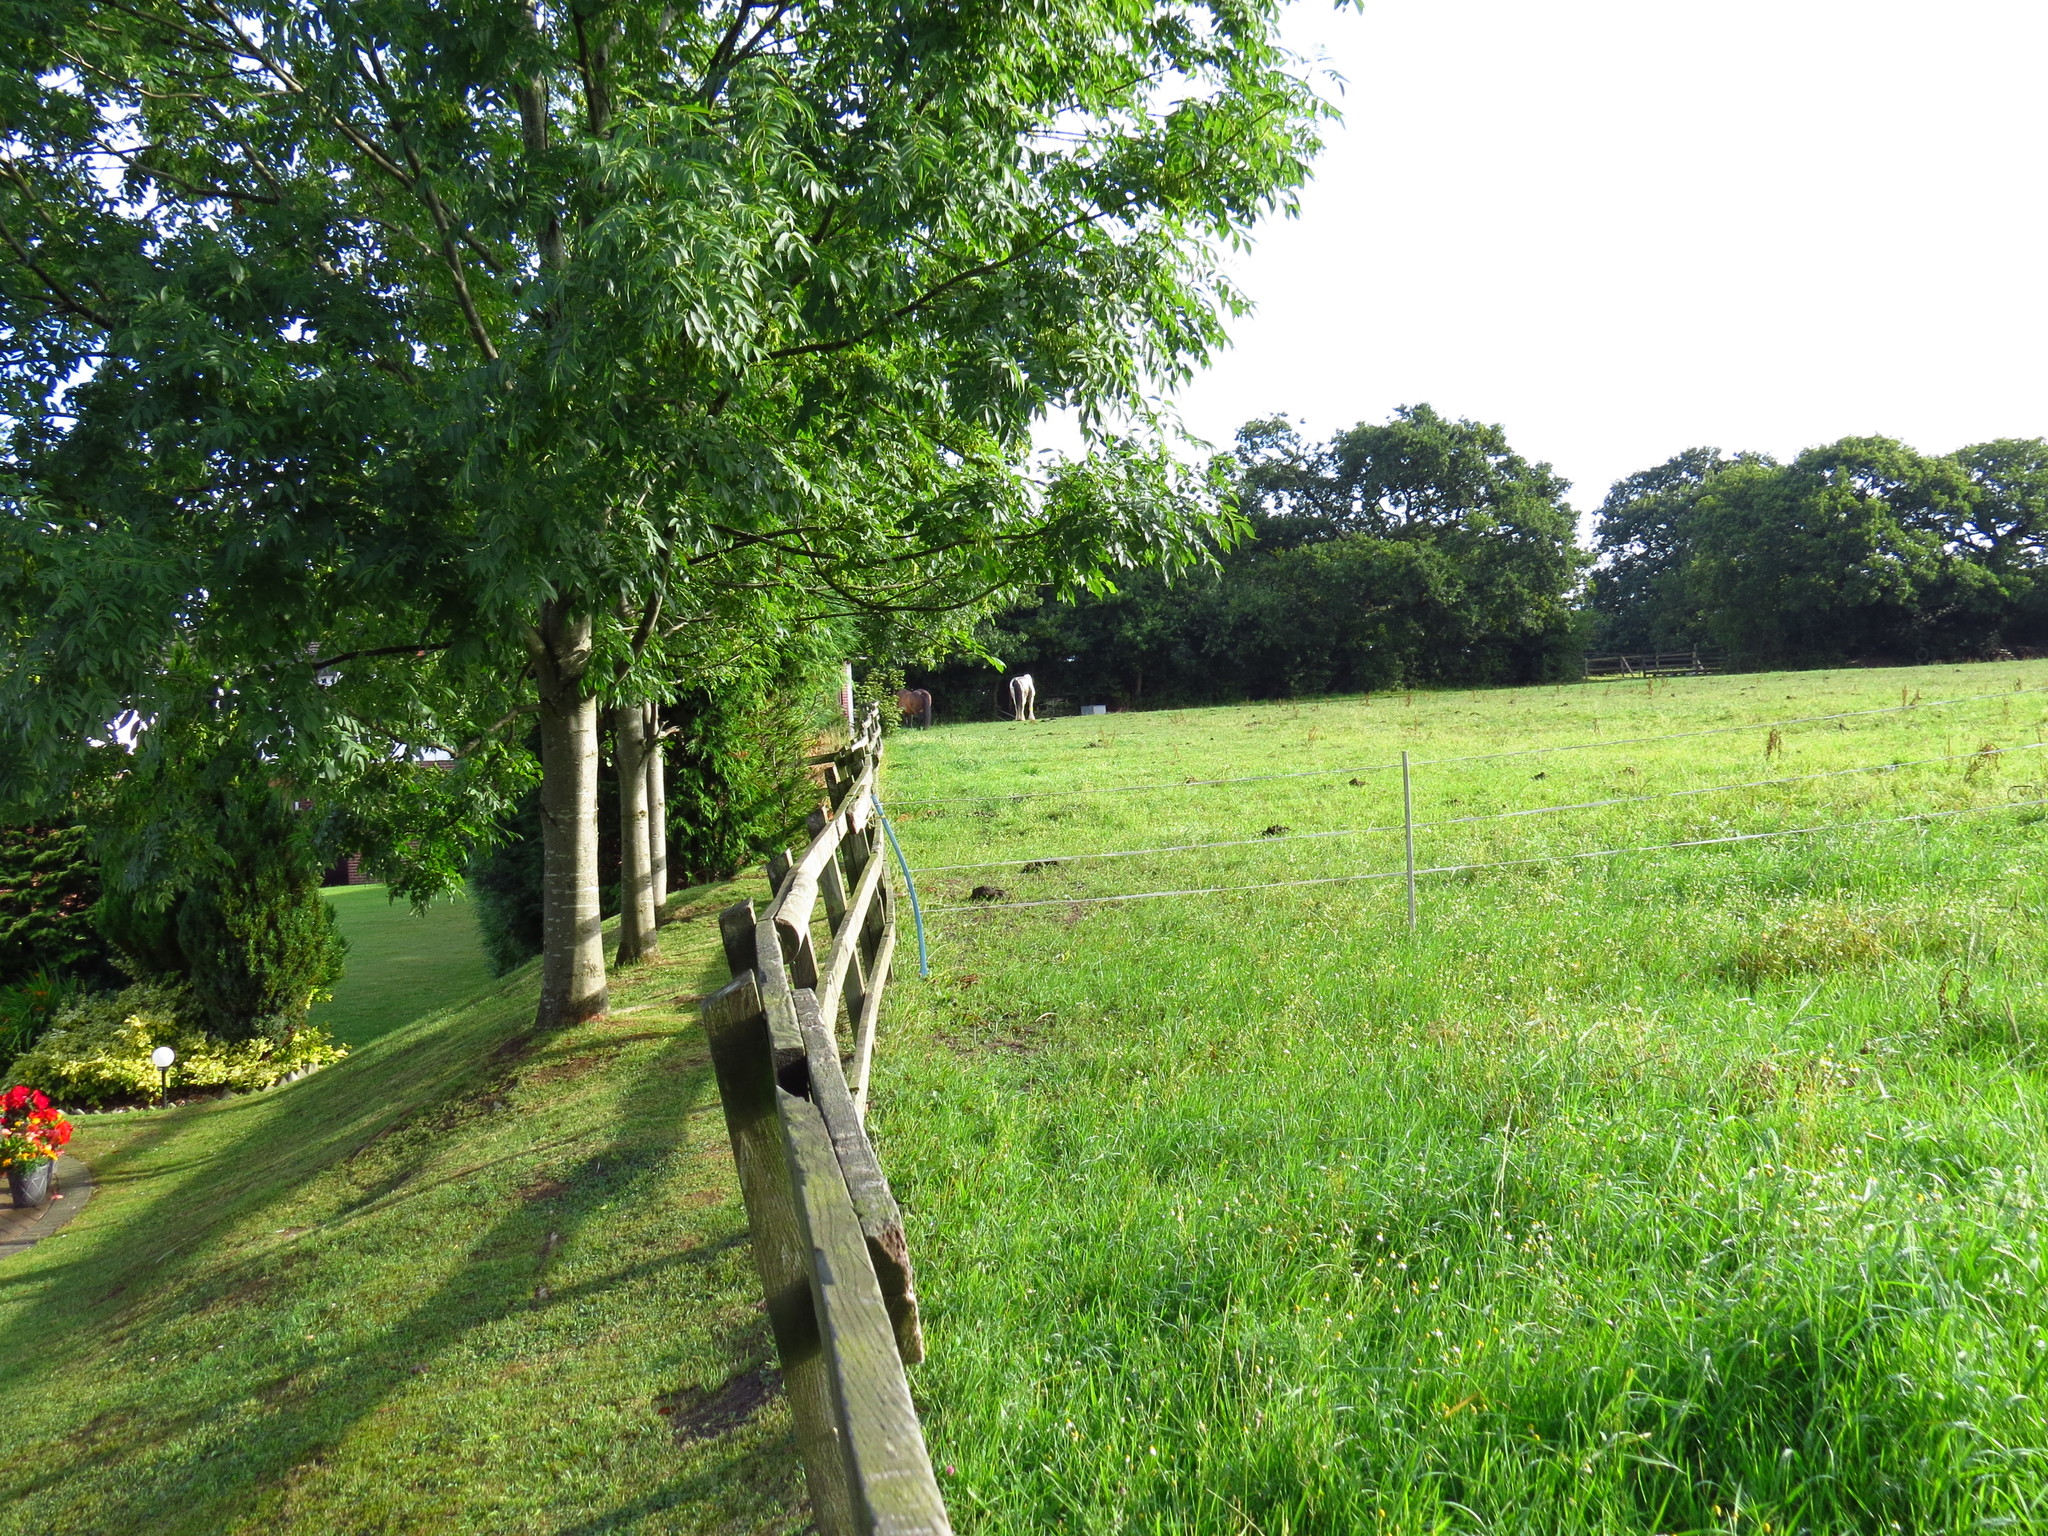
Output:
[[1693, 663], [827, 1233]]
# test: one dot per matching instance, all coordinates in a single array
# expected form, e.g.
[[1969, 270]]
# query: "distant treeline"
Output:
[[1424, 550], [1860, 550]]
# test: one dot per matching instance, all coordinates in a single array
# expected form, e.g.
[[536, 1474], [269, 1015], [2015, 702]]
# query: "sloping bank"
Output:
[[468, 1279]]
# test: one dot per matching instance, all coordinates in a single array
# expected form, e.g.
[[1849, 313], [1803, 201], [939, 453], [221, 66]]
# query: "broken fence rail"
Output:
[[827, 1233]]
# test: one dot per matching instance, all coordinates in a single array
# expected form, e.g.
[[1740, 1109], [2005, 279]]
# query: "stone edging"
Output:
[[21, 1229]]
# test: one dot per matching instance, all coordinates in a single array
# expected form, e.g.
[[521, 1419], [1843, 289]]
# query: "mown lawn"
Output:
[[1684, 1191], [449, 1284], [401, 963]]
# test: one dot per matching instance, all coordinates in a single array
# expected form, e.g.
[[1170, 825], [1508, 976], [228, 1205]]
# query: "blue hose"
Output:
[[917, 915]]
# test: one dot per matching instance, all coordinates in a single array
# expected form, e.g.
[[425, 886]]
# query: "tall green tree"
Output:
[[484, 348], [1847, 551], [1859, 548], [1643, 540], [1479, 540]]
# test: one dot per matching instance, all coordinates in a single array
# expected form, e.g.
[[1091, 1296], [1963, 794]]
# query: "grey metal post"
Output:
[[1408, 832]]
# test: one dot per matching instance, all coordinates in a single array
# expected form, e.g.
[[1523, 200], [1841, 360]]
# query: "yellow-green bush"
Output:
[[97, 1050]]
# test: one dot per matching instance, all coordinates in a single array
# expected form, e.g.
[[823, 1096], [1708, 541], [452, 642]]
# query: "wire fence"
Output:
[[1451, 869], [1461, 821], [1476, 757]]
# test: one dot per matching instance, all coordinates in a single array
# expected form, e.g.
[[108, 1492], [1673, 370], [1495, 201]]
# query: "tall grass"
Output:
[[1680, 1191]]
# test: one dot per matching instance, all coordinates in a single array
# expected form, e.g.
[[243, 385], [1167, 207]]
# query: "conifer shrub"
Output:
[[259, 940], [876, 687], [738, 780], [142, 939], [505, 891], [48, 886]]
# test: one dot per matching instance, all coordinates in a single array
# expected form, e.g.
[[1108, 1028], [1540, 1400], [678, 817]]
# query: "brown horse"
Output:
[[915, 705]]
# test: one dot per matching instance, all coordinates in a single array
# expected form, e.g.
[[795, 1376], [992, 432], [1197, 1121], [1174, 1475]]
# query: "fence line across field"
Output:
[[1463, 821], [827, 1233], [1452, 869], [1474, 757]]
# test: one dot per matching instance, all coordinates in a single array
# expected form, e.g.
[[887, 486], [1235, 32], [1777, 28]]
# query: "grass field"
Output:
[[467, 1280], [1683, 1191], [401, 964], [1693, 1190]]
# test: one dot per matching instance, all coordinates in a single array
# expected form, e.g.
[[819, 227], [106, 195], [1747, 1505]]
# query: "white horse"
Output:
[[1023, 697]]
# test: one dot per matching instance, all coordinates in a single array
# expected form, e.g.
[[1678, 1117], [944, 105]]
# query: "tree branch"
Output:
[[242, 47], [932, 295], [653, 614], [63, 297], [453, 258], [721, 57], [381, 650], [470, 746], [594, 65]]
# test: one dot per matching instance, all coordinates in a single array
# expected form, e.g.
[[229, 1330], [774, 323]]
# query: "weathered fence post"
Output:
[[828, 1235], [737, 1029]]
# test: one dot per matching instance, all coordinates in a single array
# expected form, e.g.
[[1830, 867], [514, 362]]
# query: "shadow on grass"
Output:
[[253, 1150], [147, 1452]]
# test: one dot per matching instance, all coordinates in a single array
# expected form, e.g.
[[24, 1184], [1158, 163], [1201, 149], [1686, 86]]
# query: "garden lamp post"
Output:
[[161, 1058]]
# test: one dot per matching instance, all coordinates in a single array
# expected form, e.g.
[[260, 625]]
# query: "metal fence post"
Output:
[[1408, 834]]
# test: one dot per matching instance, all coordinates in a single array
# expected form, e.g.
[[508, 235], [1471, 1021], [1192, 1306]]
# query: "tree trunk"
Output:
[[637, 937], [572, 984], [657, 806]]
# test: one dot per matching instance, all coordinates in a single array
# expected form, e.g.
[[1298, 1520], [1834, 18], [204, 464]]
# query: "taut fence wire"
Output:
[[1475, 757], [1464, 821], [1452, 869]]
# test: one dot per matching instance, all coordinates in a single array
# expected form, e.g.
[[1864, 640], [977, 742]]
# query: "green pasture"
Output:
[[401, 963], [1694, 1190], [470, 1279]]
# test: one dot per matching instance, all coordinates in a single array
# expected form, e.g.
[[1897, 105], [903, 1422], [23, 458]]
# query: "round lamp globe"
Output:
[[162, 1057]]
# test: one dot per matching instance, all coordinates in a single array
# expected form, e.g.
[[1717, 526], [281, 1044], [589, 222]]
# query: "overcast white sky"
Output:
[[1624, 227]]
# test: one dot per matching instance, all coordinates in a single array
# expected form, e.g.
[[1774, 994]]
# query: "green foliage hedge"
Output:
[[505, 891], [738, 780], [97, 1050]]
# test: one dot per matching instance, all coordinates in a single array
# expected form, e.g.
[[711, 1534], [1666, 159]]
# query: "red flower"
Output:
[[31, 1130]]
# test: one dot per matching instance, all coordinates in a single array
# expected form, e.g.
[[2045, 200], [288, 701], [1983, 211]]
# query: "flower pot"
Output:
[[30, 1183]]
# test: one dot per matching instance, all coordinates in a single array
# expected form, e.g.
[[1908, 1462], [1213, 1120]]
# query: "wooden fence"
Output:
[[827, 1234], [1654, 664]]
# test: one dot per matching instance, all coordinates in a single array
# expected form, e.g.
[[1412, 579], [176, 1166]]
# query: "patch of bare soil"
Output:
[[717, 1413]]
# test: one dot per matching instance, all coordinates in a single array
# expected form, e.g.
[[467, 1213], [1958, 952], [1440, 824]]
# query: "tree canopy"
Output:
[[1857, 549], [377, 373], [1422, 549]]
